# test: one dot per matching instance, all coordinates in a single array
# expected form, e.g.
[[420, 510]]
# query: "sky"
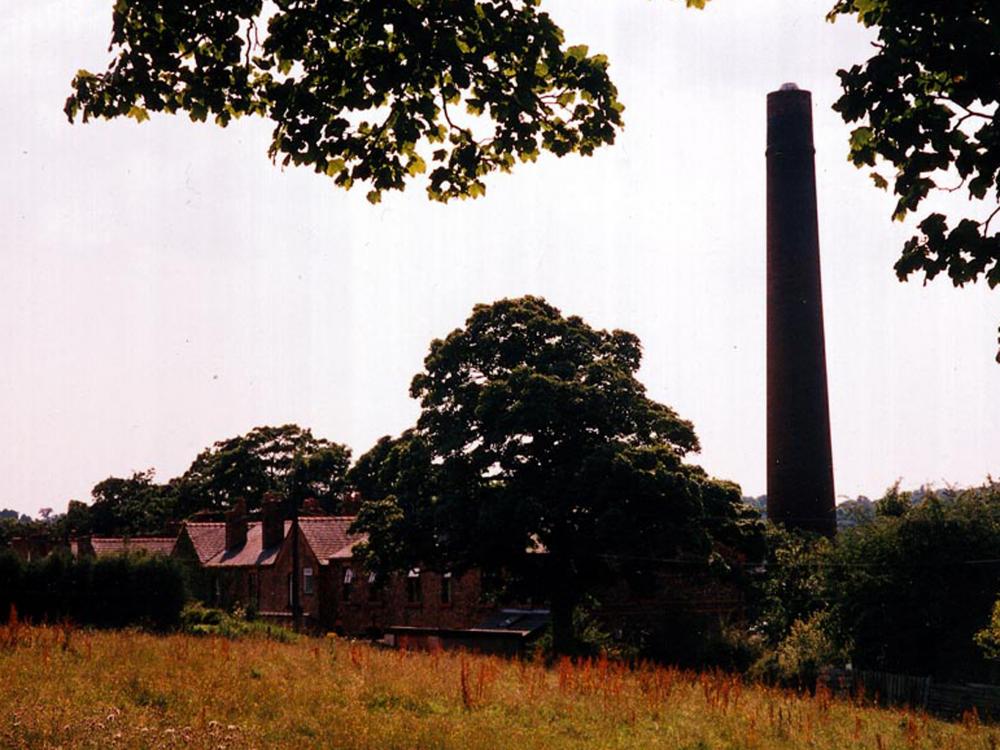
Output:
[[164, 286]]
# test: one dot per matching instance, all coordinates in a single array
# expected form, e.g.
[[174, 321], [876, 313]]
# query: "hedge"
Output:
[[110, 592]]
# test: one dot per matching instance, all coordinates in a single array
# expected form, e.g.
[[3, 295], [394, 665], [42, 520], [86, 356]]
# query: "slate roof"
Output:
[[207, 538], [252, 553], [328, 537], [155, 545]]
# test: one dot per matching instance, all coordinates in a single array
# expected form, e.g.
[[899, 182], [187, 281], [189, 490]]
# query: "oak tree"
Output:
[[536, 440]]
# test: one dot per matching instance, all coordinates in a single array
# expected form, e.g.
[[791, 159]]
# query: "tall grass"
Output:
[[76, 689]]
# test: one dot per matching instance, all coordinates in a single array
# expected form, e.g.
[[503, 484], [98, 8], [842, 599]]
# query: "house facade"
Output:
[[251, 563]]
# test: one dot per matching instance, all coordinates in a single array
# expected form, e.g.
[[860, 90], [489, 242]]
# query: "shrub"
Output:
[[197, 619], [796, 661], [988, 639], [196, 613]]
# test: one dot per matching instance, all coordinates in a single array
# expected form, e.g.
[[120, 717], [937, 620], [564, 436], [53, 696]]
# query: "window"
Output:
[[414, 594], [345, 593], [446, 588], [307, 580], [374, 587]]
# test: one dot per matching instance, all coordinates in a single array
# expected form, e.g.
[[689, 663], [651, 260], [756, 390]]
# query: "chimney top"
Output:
[[789, 86]]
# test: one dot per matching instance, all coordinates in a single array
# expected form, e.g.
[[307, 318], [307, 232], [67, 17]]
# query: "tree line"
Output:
[[909, 589], [286, 460], [539, 459]]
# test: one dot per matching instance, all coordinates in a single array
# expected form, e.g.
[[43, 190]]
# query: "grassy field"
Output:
[[62, 688]]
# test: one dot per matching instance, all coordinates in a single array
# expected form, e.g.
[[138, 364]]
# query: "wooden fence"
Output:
[[949, 700]]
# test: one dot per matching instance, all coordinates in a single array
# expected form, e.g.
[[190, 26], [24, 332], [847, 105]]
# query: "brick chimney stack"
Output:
[[799, 457], [272, 514], [236, 525]]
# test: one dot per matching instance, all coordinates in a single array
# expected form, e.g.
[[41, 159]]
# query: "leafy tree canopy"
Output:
[[125, 505], [927, 108], [535, 435], [911, 589], [364, 91], [12, 515], [908, 589], [288, 460], [12, 526], [794, 587]]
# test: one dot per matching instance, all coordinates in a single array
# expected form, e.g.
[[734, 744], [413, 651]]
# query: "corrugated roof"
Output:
[[328, 537], [207, 538], [111, 545]]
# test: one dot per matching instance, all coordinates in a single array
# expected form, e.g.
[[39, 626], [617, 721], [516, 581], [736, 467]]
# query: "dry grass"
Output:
[[72, 689]]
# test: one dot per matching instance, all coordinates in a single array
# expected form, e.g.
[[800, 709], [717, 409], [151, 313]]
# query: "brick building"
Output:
[[249, 563]]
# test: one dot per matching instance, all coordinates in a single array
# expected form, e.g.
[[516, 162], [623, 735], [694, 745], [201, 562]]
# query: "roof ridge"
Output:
[[326, 518]]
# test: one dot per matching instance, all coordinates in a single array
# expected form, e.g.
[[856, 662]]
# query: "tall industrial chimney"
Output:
[[799, 458]]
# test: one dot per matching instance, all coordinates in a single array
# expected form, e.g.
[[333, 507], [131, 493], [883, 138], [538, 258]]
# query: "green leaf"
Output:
[[326, 73], [334, 167], [979, 185], [198, 112], [416, 166], [861, 137]]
